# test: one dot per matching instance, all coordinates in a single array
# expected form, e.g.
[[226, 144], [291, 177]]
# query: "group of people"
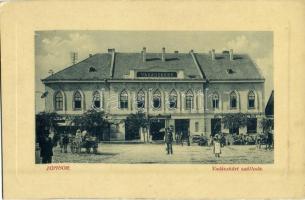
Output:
[[80, 136], [47, 142], [180, 137], [168, 138]]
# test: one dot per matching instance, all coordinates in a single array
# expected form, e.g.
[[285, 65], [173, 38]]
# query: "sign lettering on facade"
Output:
[[157, 74]]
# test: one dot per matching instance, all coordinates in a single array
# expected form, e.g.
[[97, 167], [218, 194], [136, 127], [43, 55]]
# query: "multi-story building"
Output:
[[189, 91]]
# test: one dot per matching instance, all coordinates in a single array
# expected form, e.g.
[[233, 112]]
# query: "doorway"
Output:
[[157, 129], [182, 125], [215, 126], [131, 130]]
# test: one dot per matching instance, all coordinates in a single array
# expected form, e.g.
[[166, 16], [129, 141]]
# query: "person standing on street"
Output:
[[46, 152], [78, 140], [217, 146], [65, 142], [188, 137], [169, 140]]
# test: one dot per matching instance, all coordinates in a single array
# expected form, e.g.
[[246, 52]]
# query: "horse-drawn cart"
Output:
[[89, 142]]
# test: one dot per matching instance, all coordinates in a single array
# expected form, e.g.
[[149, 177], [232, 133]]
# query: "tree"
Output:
[[45, 121], [234, 121], [136, 121], [266, 124], [93, 121]]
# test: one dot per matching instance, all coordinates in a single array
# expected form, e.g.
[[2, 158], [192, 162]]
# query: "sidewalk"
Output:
[[155, 153]]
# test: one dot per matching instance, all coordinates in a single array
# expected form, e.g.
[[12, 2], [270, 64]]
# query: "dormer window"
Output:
[[92, 69], [230, 71]]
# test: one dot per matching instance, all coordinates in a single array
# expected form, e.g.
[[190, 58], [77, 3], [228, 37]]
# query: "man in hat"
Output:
[[65, 142], [169, 140], [46, 148]]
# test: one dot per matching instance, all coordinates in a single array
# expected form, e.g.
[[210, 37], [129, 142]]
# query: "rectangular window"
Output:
[[233, 104], [124, 104], [97, 104], [173, 102], [251, 103], [215, 103], [124, 101], [77, 105], [251, 125], [58, 104], [196, 126]]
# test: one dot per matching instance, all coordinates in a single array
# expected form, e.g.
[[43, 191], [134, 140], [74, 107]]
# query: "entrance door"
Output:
[[131, 130], [215, 126], [182, 125], [157, 129]]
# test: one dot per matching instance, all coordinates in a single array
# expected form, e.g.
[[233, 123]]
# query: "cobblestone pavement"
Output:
[[155, 153]]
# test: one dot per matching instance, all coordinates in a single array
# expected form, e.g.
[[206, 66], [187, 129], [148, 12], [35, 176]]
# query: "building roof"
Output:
[[222, 68], [100, 69], [199, 67], [269, 110], [124, 62]]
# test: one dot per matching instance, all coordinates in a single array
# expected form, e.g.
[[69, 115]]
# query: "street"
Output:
[[156, 153]]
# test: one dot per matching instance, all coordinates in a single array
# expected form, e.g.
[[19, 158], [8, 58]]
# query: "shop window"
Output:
[[251, 125]]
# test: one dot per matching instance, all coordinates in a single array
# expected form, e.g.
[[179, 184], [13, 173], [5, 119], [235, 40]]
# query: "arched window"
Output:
[[77, 100], [124, 100], [189, 100], [141, 100], [251, 100], [157, 99], [215, 101], [96, 100], [233, 100], [173, 99], [58, 101]]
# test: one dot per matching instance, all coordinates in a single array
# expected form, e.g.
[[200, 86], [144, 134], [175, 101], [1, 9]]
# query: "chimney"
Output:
[[90, 55], [144, 54], [191, 51], [231, 54], [213, 54], [176, 51], [111, 50], [74, 57], [163, 54]]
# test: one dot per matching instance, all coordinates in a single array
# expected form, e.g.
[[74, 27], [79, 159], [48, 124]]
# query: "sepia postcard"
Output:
[[153, 99]]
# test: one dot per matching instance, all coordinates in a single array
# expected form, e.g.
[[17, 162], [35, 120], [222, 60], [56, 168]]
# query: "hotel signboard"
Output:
[[157, 74]]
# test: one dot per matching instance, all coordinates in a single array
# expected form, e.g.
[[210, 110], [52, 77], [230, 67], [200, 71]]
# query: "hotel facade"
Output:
[[189, 91]]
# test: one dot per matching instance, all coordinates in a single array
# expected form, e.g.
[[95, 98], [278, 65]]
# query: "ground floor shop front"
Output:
[[118, 128], [185, 126]]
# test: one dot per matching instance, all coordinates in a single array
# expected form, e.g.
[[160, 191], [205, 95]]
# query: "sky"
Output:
[[53, 48]]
